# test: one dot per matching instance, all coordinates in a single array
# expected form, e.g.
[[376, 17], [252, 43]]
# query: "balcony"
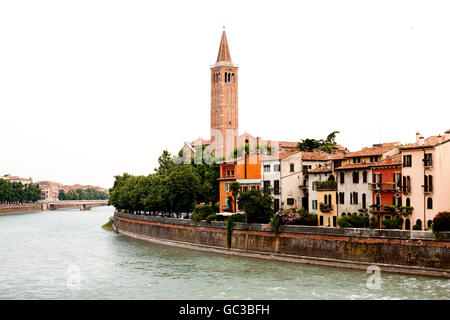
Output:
[[326, 207], [385, 186]]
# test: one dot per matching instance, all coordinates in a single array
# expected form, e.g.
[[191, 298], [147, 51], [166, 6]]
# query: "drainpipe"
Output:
[[424, 194]]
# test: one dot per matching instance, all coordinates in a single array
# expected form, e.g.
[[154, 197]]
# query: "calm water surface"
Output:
[[66, 255]]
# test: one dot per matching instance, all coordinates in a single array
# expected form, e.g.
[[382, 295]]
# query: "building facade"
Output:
[[426, 178]]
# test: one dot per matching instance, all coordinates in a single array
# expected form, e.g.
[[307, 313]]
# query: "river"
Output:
[[66, 255]]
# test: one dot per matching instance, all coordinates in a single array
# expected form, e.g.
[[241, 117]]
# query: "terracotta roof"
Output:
[[322, 169], [279, 156], [428, 142], [356, 166], [389, 161], [316, 155], [373, 151], [224, 50]]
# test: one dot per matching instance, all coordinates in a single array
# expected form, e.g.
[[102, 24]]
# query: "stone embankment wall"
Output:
[[20, 208], [413, 252]]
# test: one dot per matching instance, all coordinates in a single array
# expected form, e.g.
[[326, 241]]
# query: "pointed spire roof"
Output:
[[224, 50]]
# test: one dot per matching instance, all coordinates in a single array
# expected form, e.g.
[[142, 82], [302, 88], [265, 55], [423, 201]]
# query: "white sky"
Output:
[[91, 89]]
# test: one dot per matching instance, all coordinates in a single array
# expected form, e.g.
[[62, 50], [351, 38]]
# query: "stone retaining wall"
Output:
[[20, 208], [415, 249]]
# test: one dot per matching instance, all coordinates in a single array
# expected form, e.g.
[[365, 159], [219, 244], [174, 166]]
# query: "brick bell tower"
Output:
[[224, 101]]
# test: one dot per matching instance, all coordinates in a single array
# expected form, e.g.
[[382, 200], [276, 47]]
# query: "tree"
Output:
[[257, 205], [235, 188], [327, 145], [62, 195]]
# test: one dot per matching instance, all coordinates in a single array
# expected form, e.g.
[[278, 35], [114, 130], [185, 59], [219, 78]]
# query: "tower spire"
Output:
[[224, 50]]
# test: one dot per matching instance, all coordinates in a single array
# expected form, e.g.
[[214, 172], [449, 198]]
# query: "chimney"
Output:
[[439, 139], [417, 136], [258, 141], [447, 135], [421, 141]]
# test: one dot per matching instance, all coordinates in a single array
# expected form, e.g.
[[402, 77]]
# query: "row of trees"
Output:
[[17, 192], [171, 188], [82, 194]]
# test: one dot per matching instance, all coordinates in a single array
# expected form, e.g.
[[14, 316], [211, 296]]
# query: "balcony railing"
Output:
[[326, 207], [386, 186]]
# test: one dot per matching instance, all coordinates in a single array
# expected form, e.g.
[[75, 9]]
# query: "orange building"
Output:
[[244, 170]]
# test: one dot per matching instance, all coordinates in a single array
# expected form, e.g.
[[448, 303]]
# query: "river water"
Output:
[[66, 255]]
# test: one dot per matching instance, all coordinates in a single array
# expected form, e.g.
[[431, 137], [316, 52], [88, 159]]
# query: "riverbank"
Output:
[[408, 252], [20, 208], [56, 205]]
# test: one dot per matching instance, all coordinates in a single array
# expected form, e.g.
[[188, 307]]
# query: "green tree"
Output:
[[328, 144], [257, 205]]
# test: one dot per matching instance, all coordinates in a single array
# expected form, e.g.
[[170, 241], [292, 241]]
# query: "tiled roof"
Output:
[[389, 161], [428, 142], [356, 166], [322, 169], [316, 155], [373, 151]]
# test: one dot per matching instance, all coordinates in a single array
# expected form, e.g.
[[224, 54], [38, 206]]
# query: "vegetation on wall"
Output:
[[230, 223], [17, 192]]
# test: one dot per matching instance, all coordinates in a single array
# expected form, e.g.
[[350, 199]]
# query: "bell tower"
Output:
[[224, 101]]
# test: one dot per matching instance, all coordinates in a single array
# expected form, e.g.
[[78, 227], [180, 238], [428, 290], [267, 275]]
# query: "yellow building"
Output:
[[327, 208]]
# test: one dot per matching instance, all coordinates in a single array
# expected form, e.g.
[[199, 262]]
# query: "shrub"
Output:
[[441, 222], [257, 205], [202, 211], [353, 221], [395, 223], [323, 185], [417, 226], [211, 217]]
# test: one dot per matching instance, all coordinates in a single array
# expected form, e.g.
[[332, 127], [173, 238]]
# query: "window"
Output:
[[355, 177], [266, 186], [363, 200], [276, 204], [429, 224], [357, 160], [355, 197], [314, 204], [397, 179], [276, 186], [406, 184], [291, 167], [407, 160], [290, 201], [378, 199], [227, 187], [276, 167], [364, 176], [374, 158], [427, 161], [428, 183], [321, 220], [341, 197], [267, 168], [429, 203], [342, 177], [408, 202], [337, 163], [407, 224]]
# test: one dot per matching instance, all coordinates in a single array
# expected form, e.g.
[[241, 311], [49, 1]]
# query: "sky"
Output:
[[93, 89]]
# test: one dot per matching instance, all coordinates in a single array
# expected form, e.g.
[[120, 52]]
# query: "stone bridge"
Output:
[[82, 204]]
